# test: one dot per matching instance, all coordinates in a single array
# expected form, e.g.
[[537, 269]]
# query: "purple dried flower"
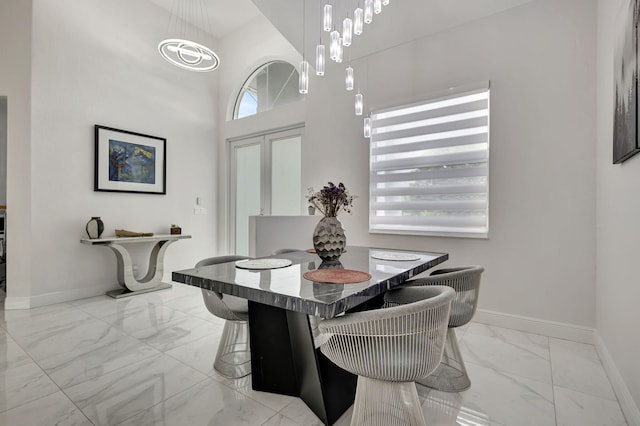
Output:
[[331, 199]]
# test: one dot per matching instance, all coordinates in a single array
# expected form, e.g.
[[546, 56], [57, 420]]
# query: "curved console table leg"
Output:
[[125, 266], [156, 262], [152, 280]]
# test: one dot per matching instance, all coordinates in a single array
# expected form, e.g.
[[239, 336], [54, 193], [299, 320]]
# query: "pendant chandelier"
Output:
[[189, 19], [343, 21], [303, 72]]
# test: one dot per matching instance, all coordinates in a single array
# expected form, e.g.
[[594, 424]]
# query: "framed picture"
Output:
[[129, 162], [625, 69]]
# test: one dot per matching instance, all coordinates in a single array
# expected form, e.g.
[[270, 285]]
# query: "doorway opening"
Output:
[[265, 179]]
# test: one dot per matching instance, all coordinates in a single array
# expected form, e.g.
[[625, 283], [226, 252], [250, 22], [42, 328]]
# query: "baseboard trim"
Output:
[[11, 303], [628, 405], [53, 298], [58, 297], [560, 330]]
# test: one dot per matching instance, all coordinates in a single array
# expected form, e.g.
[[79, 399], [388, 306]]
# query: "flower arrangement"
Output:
[[331, 199]]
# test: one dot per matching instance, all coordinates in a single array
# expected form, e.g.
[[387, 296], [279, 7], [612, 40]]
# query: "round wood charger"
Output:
[[337, 276]]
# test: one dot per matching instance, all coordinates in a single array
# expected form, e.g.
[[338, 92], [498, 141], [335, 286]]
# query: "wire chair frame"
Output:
[[233, 358], [451, 375], [466, 283], [389, 349]]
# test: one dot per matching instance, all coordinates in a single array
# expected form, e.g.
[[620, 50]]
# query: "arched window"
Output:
[[271, 85]]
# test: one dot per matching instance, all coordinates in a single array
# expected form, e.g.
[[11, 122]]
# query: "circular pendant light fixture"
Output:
[[188, 55], [189, 20]]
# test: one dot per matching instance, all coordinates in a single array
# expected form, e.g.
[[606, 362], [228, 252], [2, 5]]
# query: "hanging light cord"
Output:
[[185, 53]]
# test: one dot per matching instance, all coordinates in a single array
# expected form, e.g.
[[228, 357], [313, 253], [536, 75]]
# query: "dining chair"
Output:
[[451, 375], [233, 359], [389, 349]]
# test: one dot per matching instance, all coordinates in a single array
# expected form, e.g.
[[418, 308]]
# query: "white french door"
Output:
[[265, 178]]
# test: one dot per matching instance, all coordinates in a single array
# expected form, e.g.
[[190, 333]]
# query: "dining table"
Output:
[[288, 294]]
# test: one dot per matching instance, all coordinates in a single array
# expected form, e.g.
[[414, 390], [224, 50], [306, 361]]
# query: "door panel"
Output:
[[265, 178], [286, 176]]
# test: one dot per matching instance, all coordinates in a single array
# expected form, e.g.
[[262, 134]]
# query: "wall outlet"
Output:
[[199, 210]]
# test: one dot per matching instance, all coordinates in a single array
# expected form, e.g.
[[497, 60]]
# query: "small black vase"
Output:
[[95, 227]]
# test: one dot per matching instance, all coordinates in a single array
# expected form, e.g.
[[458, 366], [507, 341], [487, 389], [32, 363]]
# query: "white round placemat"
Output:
[[263, 263], [395, 256]]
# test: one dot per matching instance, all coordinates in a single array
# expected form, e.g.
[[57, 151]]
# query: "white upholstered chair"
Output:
[[233, 358], [451, 375], [389, 349]]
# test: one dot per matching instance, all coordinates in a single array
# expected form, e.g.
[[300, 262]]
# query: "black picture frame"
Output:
[[625, 121], [131, 162]]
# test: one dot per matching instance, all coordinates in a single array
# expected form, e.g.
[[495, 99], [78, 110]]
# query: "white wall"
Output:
[[540, 58], [618, 207], [15, 84], [96, 62], [270, 233]]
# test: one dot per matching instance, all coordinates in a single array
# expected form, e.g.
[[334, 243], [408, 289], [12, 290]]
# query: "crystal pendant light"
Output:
[[377, 6], [359, 103], [367, 127], [349, 79], [303, 83], [368, 11], [385, 2], [333, 46], [358, 21], [347, 31], [320, 59], [327, 18], [340, 51]]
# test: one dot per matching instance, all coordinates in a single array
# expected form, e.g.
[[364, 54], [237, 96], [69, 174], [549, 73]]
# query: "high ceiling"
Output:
[[400, 22], [224, 16]]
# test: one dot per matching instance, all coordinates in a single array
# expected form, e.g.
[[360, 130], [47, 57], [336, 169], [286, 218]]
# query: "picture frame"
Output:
[[127, 161], [625, 69]]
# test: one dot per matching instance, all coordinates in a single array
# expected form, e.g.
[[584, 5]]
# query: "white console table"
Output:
[[152, 281]]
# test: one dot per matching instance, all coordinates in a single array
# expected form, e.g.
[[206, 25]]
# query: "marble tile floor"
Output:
[[147, 360]]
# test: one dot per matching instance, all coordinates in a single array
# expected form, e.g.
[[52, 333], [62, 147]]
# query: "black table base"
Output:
[[285, 361]]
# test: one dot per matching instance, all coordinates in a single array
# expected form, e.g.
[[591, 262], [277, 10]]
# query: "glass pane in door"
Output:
[[286, 176], [247, 189]]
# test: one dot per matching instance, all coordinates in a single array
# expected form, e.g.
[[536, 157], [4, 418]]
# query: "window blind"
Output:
[[430, 167]]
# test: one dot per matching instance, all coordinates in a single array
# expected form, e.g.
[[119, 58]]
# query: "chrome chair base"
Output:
[[384, 403], [233, 359], [451, 374]]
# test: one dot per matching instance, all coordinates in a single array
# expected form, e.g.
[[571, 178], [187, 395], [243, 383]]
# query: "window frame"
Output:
[[402, 229], [252, 76]]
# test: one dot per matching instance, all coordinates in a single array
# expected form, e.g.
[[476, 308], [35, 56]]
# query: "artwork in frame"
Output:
[[129, 162], [625, 122]]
